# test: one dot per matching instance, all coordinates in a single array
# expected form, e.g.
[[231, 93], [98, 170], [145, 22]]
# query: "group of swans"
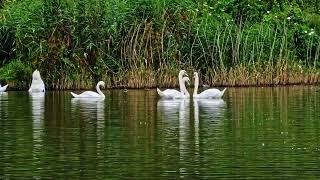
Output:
[[37, 84], [37, 88], [183, 93], [174, 94]]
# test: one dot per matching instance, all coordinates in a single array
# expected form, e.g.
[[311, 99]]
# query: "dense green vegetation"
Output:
[[144, 43]]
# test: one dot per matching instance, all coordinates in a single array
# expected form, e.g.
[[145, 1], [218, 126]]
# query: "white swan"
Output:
[[91, 94], [174, 94], [206, 94], [3, 88], [37, 84]]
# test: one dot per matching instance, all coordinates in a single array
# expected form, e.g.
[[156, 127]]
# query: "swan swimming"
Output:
[[209, 93], [91, 94], [172, 93], [175, 94], [3, 88], [37, 84]]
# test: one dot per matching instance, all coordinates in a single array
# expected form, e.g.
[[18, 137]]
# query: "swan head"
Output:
[[101, 83], [183, 73], [186, 80], [195, 74], [36, 75]]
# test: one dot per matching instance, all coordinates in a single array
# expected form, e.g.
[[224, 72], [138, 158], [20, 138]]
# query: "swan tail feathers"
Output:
[[3, 88], [160, 92], [74, 95]]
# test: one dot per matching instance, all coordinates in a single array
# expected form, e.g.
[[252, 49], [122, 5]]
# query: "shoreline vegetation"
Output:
[[144, 43]]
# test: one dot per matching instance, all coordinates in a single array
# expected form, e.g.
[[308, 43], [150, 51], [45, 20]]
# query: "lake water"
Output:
[[251, 133]]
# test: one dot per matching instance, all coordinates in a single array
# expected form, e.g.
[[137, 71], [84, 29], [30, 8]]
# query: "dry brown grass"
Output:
[[258, 74], [281, 73]]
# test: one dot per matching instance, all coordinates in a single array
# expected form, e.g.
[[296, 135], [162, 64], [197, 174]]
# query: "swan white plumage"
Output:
[[91, 94], [3, 88], [175, 94], [209, 93], [37, 84], [172, 93]]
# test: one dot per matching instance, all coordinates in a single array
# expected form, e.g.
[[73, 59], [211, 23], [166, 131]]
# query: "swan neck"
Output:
[[180, 76], [98, 90], [181, 83], [182, 86], [196, 84], [184, 89]]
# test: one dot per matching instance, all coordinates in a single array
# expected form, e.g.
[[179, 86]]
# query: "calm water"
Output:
[[251, 133]]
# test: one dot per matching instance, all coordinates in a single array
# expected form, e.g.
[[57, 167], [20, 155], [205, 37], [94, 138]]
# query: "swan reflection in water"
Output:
[[171, 108], [174, 110], [210, 108], [37, 108], [90, 108], [3, 102], [37, 101], [3, 95], [90, 111], [178, 110]]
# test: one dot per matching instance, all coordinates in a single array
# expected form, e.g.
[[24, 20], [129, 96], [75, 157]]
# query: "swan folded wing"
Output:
[[210, 93], [171, 93], [87, 94]]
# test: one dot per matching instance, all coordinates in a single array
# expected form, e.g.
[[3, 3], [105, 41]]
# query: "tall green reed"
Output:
[[145, 43]]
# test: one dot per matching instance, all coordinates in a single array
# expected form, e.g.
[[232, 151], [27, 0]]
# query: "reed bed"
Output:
[[144, 44]]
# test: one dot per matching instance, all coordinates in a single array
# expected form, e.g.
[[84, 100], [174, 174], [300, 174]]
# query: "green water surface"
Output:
[[250, 133]]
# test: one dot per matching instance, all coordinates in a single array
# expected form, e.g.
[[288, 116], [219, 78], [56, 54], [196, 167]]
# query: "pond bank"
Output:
[[281, 73]]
